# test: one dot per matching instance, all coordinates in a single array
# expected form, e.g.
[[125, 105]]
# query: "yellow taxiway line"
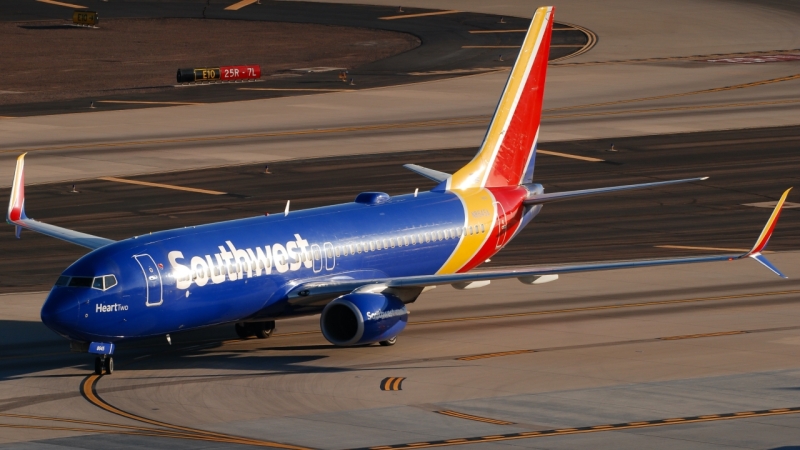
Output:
[[89, 392], [297, 89], [567, 155], [451, 413], [239, 5], [68, 5], [712, 249], [496, 31], [490, 46], [408, 16], [680, 94], [591, 429], [137, 102], [163, 186]]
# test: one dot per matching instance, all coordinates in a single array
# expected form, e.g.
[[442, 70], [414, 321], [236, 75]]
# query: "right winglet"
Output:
[[766, 233]]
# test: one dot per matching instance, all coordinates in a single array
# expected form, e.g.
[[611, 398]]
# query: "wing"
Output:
[[16, 216], [314, 292]]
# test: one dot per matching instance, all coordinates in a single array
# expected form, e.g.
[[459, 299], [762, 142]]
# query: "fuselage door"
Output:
[[330, 257], [502, 225], [152, 278], [316, 254]]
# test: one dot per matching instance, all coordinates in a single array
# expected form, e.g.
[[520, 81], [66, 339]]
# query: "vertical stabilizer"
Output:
[[508, 152]]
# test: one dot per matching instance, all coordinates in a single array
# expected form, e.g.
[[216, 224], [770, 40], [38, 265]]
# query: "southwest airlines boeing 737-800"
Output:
[[356, 264]]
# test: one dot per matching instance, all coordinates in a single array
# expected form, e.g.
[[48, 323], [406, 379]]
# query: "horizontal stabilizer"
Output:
[[434, 175], [568, 195]]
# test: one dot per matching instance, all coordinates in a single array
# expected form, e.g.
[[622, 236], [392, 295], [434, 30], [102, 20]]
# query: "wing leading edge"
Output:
[[16, 216], [317, 289]]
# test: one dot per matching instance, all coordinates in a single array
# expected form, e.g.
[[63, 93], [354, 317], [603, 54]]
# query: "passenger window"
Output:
[[110, 281], [427, 237], [406, 241], [379, 244], [458, 231], [337, 252], [62, 281], [440, 235], [329, 252], [358, 247], [420, 238], [317, 256], [413, 239], [483, 229], [391, 242], [372, 246], [98, 283]]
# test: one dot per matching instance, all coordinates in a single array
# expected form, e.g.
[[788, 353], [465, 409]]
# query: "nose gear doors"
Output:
[[152, 278]]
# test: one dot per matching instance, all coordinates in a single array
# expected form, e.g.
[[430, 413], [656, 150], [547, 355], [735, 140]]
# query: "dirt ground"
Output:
[[51, 60]]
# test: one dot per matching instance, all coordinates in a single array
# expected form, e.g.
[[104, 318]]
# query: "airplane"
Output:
[[358, 265]]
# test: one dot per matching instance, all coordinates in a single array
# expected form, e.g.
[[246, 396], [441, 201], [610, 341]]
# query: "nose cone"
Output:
[[60, 311]]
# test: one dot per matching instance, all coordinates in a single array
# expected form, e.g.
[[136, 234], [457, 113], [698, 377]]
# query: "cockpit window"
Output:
[[110, 281], [81, 282], [100, 283]]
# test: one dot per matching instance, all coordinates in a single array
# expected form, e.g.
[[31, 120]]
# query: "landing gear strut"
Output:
[[261, 330], [102, 363]]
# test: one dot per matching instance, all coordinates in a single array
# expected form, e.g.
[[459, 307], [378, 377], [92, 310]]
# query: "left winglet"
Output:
[[16, 204], [766, 233], [16, 216]]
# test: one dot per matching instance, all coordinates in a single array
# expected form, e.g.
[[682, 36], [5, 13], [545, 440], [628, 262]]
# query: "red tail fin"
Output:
[[507, 155]]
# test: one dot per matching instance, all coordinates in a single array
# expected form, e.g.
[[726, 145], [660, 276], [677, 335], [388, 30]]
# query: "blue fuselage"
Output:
[[242, 269]]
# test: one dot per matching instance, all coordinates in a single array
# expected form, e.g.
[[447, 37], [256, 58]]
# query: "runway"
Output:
[[698, 357], [601, 359]]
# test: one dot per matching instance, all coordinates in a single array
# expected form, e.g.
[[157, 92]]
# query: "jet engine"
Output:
[[363, 318]]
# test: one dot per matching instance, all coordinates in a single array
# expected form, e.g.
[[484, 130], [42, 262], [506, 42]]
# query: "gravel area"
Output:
[[51, 60]]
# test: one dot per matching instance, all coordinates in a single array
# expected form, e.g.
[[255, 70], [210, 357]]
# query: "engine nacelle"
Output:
[[363, 318]]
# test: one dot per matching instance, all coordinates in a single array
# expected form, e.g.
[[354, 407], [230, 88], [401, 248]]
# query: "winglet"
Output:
[[16, 204], [766, 233]]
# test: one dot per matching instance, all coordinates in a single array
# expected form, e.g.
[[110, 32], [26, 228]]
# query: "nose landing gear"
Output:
[[261, 330], [102, 363]]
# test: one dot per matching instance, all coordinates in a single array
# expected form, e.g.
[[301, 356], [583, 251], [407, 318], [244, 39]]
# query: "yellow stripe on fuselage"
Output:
[[474, 173], [479, 208]]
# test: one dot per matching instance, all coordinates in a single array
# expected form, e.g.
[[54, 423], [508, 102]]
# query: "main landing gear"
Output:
[[102, 363], [261, 330]]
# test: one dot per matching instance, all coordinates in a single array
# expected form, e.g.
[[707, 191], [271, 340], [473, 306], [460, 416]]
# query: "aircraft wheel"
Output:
[[242, 330], [265, 329], [98, 366], [109, 365], [389, 342]]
